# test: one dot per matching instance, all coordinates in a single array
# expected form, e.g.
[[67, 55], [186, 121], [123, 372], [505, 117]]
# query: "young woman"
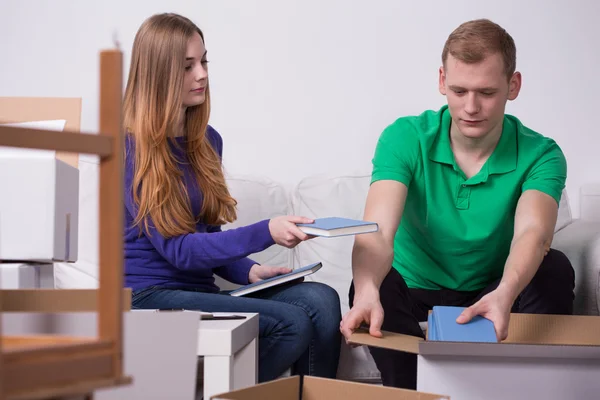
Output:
[[176, 200]]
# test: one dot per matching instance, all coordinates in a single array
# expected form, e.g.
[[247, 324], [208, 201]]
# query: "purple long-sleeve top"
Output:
[[189, 260]]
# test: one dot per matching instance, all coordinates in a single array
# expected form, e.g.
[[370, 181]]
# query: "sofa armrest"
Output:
[[580, 242]]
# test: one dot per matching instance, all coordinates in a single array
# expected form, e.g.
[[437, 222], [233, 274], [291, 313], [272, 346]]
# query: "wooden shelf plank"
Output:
[[44, 362], [16, 344], [74, 389], [110, 295], [60, 141], [55, 300]]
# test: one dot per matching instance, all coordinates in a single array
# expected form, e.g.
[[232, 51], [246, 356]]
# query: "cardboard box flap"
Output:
[[282, 389], [326, 389], [323, 389], [390, 340], [30, 109], [529, 335], [581, 330]]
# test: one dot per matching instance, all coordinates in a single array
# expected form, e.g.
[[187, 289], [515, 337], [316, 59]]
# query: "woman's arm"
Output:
[[199, 250]]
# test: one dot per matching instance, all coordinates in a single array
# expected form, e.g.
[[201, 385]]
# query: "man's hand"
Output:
[[535, 219], [259, 272], [372, 256], [494, 306], [367, 308]]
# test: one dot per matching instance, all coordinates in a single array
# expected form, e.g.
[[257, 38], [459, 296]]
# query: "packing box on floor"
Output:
[[546, 357], [310, 388]]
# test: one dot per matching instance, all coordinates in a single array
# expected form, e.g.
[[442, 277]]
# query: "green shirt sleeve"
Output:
[[549, 173], [396, 153]]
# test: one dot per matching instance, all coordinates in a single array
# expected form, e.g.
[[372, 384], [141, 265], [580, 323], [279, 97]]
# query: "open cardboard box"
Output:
[[544, 357], [311, 388]]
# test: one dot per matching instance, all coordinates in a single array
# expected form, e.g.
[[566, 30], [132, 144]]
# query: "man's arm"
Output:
[[373, 253], [535, 219]]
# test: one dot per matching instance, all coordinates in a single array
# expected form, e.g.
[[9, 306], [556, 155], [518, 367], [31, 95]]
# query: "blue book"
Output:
[[445, 327], [431, 335], [336, 226]]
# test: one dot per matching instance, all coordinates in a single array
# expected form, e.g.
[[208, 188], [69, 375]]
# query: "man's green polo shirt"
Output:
[[455, 233]]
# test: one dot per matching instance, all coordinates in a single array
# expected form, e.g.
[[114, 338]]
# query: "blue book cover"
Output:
[[431, 328], [446, 328], [337, 226]]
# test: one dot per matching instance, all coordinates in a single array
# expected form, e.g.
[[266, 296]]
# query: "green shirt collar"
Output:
[[502, 160]]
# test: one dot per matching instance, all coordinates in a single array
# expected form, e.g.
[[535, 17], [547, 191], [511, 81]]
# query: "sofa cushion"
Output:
[[580, 242], [330, 196], [564, 212]]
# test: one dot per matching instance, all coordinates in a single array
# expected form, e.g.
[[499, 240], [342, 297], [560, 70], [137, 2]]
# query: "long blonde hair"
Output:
[[151, 110]]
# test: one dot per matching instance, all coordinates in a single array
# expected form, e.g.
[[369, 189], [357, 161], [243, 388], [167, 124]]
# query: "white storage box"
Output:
[[550, 357], [38, 206]]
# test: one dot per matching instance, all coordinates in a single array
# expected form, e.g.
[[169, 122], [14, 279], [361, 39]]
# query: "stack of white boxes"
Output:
[[39, 197]]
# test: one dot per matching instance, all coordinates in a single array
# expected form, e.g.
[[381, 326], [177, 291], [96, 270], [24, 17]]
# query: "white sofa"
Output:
[[342, 195]]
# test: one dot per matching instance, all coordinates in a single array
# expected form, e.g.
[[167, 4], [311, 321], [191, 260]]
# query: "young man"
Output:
[[466, 198]]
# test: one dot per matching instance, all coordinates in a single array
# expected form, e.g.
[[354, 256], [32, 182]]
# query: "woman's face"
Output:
[[195, 77]]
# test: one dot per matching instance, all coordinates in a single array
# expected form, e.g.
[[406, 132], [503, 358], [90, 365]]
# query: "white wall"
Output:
[[304, 87]]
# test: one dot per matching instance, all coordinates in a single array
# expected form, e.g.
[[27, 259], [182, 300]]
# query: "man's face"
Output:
[[477, 93]]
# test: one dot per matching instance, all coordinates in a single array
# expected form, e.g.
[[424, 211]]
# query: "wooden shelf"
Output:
[[60, 141], [53, 363], [55, 366], [25, 344], [79, 388]]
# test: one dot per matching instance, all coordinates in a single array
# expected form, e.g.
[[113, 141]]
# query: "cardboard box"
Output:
[[26, 276], [31, 109], [40, 188], [310, 388], [546, 357]]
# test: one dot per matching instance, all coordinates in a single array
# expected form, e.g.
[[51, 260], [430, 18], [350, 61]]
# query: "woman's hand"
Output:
[[259, 272], [284, 231]]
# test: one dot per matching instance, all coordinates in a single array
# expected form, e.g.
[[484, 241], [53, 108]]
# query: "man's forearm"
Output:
[[526, 255], [371, 261]]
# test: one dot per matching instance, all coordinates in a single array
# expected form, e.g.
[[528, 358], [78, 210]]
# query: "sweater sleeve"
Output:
[[200, 250]]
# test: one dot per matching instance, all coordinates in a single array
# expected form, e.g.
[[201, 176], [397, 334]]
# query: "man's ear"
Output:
[[442, 82], [514, 86]]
